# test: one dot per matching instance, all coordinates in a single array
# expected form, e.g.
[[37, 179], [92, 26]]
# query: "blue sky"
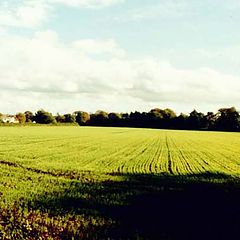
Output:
[[119, 55]]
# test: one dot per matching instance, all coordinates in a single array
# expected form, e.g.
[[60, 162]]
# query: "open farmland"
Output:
[[118, 183], [116, 150]]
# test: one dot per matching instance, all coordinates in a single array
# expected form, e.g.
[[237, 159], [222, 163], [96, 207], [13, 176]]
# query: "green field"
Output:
[[118, 183], [121, 150]]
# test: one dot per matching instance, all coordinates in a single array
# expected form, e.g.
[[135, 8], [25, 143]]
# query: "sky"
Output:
[[119, 55]]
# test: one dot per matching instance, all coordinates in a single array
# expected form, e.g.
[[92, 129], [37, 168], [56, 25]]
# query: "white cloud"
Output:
[[163, 9], [33, 13], [44, 72], [87, 3], [232, 5], [229, 53], [25, 13], [97, 47]]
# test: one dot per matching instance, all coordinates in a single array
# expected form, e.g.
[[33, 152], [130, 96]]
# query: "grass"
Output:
[[118, 183]]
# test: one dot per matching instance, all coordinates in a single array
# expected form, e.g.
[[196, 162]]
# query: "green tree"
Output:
[[168, 113], [60, 118], [82, 117], [210, 120], [21, 117], [114, 116], [1, 115], [100, 118], [229, 119], [44, 117], [195, 120], [29, 116], [69, 118], [180, 121], [156, 113]]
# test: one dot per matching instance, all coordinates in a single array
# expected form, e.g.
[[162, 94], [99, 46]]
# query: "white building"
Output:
[[9, 119]]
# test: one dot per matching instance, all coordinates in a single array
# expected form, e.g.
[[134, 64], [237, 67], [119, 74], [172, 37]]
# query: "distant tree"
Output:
[[226, 119], [124, 120], [114, 116], [44, 117], [124, 116], [210, 120], [180, 122], [136, 119], [156, 118], [1, 120], [102, 113], [100, 118], [195, 120], [229, 119], [29, 116], [60, 118], [168, 118], [69, 118], [114, 119], [82, 117], [157, 113], [21, 117], [168, 113]]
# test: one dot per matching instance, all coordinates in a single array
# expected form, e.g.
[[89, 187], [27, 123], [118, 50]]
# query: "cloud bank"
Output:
[[33, 13], [27, 14], [42, 71], [87, 3]]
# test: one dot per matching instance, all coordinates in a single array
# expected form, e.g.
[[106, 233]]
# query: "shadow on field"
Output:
[[201, 206]]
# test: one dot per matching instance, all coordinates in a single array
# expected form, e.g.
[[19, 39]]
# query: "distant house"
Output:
[[9, 119]]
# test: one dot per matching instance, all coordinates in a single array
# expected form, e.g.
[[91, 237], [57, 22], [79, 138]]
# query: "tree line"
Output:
[[226, 119]]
